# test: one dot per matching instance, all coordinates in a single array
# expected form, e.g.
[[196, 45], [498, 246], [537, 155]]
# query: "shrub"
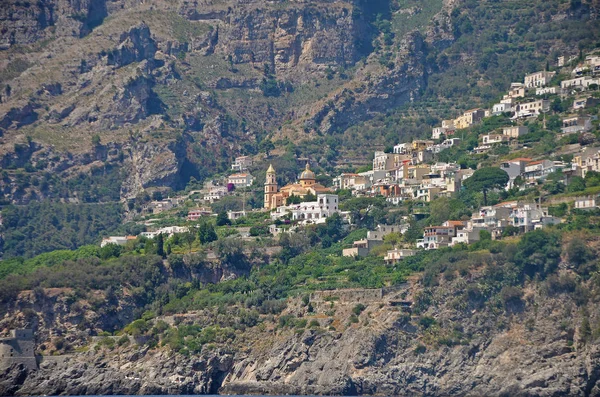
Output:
[[358, 309]]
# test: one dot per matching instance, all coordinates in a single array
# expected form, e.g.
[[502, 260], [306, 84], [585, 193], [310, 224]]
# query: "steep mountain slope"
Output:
[[169, 90]]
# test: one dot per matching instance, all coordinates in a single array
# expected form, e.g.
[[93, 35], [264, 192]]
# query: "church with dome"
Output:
[[307, 184]]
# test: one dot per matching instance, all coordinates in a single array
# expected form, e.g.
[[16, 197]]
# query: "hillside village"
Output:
[[538, 187]]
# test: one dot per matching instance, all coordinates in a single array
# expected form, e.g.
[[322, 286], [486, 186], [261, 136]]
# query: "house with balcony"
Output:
[[576, 124], [531, 216], [481, 149], [428, 192], [383, 230], [491, 217], [514, 168], [383, 161], [532, 108], [118, 240], [403, 148], [349, 181], [547, 91], [436, 237], [466, 236], [538, 79], [579, 83], [235, 215], [516, 90], [538, 170]]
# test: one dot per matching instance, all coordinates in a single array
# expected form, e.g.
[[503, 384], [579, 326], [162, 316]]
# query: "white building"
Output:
[[396, 255], [235, 215], [168, 231], [241, 180], [490, 218], [587, 102], [500, 108], [314, 211], [530, 216], [539, 169], [491, 139], [547, 91], [579, 82], [466, 236], [402, 148]]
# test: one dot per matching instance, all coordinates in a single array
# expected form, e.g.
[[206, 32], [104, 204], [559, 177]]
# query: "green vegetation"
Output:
[[46, 226]]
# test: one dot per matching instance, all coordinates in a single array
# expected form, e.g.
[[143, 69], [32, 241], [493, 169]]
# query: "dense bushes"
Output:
[[141, 273], [46, 226]]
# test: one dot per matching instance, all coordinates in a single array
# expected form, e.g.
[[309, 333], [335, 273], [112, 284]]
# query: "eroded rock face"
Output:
[[291, 39], [28, 20], [152, 165], [378, 358]]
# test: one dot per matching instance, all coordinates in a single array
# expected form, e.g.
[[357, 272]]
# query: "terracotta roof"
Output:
[[456, 223], [238, 176], [535, 162]]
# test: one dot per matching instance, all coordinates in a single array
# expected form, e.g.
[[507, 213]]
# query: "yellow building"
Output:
[[307, 184]]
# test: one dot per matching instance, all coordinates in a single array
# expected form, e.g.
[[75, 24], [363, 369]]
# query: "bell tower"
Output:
[[270, 187]]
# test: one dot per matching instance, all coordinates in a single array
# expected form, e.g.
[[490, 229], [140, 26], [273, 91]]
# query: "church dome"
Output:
[[307, 173]]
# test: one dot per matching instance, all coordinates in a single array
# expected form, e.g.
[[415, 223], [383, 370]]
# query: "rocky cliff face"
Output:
[[139, 72], [532, 349]]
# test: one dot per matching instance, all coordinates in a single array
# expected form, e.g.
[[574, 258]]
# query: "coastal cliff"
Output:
[[534, 347]]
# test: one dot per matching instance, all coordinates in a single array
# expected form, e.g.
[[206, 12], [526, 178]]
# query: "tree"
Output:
[[189, 237], [485, 179], [293, 200], [393, 239], [266, 146], [95, 140], [160, 245], [222, 219], [206, 233], [577, 184]]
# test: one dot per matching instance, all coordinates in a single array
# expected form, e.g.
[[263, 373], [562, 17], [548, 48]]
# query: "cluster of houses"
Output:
[[410, 173], [521, 216], [397, 178]]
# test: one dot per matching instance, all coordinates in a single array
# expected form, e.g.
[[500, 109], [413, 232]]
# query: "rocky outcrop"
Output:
[[152, 165], [291, 39], [135, 372], [378, 91], [29, 21], [535, 350], [135, 45]]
